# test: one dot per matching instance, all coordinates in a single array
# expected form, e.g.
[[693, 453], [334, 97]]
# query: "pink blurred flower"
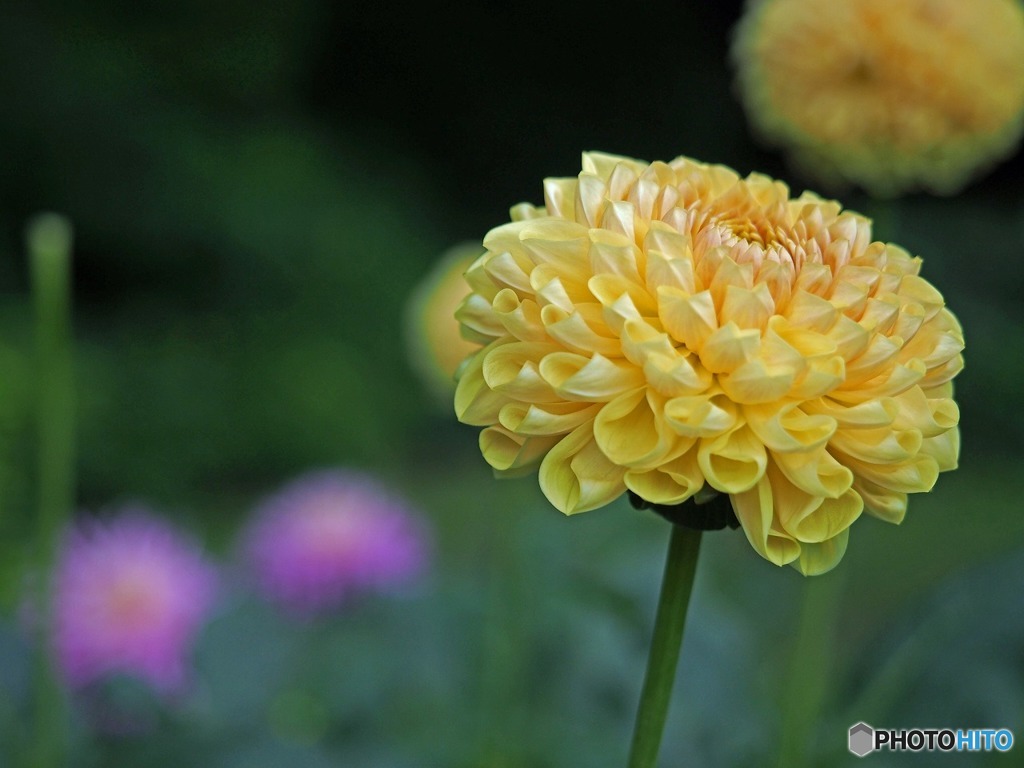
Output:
[[130, 594], [329, 534]]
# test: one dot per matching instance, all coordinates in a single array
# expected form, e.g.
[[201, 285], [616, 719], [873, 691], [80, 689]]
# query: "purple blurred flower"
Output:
[[329, 534], [130, 594]]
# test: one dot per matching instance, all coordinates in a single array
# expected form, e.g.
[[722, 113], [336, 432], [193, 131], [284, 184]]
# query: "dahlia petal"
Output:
[[818, 558], [620, 218], [508, 452], [546, 419], [727, 348], [608, 288], [519, 318], [676, 374], [820, 378], [644, 195], [915, 475], [944, 448], [909, 321], [673, 244], [887, 384], [729, 273], [943, 373], [890, 506], [620, 312], [850, 338], [614, 254], [573, 331], [870, 413], [849, 298], [881, 351], [748, 308], [880, 314], [814, 278], [866, 277], [733, 462], [560, 197], [640, 339], [805, 310], [561, 245], [505, 271], [933, 346], [595, 379], [816, 473], [754, 509], [667, 272], [590, 200], [700, 415], [623, 178], [878, 446], [778, 276], [525, 211], [889, 283], [630, 430], [931, 417], [667, 202], [552, 291], [689, 318], [757, 382], [810, 519], [671, 483], [800, 343], [791, 504], [576, 476], [827, 519], [506, 239], [478, 318], [476, 403], [602, 164], [920, 291], [837, 256], [788, 428], [513, 370], [898, 264]]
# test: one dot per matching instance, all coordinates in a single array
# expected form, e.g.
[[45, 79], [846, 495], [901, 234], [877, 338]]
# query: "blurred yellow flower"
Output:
[[891, 96], [432, 335], [671, 327]]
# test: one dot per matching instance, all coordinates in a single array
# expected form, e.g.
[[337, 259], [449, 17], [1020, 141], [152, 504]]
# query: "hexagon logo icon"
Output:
[[862, 739]]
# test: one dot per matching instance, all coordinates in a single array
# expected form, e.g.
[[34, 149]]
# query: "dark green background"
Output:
[[255, 191]]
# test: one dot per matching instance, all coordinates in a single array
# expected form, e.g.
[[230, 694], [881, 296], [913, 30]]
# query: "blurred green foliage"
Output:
[[255, 191]]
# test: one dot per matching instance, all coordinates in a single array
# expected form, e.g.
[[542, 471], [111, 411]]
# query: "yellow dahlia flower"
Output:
[[432, 335], [887, 95], [672, 328]]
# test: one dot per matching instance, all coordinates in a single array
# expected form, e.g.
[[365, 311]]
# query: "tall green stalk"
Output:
[[811, 668], [666, 642], [49, 247]]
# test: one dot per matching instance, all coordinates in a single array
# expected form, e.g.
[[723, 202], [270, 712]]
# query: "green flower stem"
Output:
[[809, 677], [676, 586], [49, 246]]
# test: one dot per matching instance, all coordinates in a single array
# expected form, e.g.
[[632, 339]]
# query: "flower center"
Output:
[[753, 230], [135, 601], [330, 534]]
